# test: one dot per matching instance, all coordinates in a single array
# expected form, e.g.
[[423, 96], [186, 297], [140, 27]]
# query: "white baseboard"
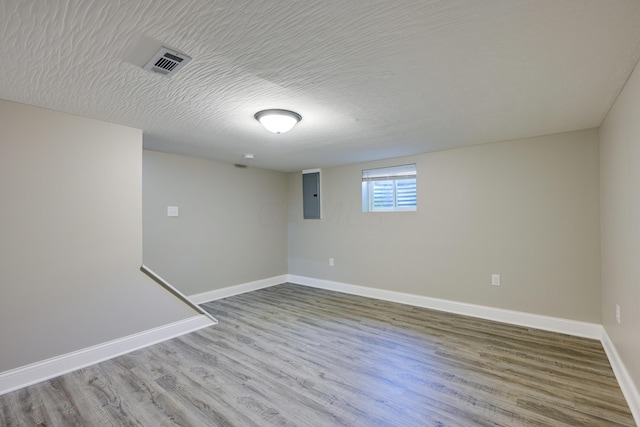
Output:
[[547, 323], [622, 375], [40, 371], [31, 374], [553, 324], [230, 291]]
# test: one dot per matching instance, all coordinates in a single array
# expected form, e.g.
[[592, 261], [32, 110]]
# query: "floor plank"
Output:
[[296, 356]]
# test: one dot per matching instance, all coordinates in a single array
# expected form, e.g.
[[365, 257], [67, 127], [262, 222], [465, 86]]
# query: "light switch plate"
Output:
[[172, 211], [495, 279]]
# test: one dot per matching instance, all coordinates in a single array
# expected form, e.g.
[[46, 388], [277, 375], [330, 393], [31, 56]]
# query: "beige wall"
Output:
[[71, 236], [620, 211], [232, 227], [526, 209]]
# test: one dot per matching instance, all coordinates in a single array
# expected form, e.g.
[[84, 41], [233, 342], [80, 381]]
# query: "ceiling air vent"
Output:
[[167, 62]]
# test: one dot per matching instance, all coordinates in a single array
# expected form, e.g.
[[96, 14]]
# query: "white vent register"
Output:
[[167, 62]]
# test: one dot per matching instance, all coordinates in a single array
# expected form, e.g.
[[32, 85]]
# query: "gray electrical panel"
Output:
[[311, 195]]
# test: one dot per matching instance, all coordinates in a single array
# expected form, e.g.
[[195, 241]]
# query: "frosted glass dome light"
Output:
[[278, 121]]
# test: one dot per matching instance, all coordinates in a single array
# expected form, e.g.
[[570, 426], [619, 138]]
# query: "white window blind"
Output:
[[389, 189]]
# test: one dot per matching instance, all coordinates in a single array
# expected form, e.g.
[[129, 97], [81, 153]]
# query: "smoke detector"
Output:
[[167, 62]]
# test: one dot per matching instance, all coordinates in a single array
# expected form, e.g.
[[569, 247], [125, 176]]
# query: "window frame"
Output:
[[394, 174]]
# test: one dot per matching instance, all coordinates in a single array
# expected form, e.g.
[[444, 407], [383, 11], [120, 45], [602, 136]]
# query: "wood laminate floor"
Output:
[[296, 356]]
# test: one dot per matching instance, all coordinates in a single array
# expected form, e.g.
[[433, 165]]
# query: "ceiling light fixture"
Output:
[[278, 121]]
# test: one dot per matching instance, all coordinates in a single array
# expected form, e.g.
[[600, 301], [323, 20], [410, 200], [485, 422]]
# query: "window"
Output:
[[389, 189]]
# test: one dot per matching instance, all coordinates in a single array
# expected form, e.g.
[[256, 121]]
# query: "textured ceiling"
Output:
[[372, 79]]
